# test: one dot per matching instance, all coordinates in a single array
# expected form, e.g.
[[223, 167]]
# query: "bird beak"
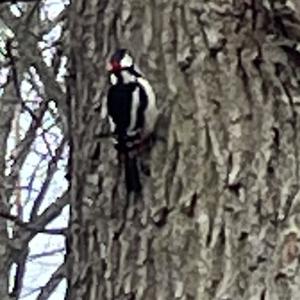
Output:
[[108, 67]]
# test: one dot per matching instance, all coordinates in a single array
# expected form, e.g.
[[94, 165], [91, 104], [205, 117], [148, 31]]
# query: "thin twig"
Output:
[[52, 168], [53, 282], [16, 1], [46, 253], [30, 227]]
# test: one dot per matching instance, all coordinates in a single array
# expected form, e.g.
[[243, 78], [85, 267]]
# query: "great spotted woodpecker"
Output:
[[131, 107]]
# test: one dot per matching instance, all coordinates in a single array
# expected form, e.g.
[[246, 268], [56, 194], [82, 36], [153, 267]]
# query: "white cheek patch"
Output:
[[126, 61], [113, 79]]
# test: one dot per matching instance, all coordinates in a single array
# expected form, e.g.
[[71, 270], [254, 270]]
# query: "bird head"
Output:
[[121, 59]]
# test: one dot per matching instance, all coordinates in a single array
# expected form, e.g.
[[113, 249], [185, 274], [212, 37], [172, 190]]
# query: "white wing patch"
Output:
[[111, 124], [133, 112], [151, 111]]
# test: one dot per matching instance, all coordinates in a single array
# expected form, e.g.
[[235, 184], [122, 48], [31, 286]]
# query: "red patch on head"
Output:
[[115, 66]]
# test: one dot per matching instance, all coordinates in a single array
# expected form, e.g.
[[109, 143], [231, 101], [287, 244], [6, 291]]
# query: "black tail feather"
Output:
[[132, 177]]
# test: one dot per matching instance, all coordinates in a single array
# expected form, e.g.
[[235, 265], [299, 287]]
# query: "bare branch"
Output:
[[49, 287], [28, 226], [24, 148], [53, 282], [31, 56], [52, 168], [19, 276], [49, 214], [16, 1], [46, 253]]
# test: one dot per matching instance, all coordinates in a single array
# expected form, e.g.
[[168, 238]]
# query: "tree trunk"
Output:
[[6, 116], [218, 217]]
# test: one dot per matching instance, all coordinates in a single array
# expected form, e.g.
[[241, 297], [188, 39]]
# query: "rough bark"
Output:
[[218, 218], [6, 116]]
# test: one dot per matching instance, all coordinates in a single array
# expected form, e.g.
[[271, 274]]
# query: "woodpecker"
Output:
[[132, 112]]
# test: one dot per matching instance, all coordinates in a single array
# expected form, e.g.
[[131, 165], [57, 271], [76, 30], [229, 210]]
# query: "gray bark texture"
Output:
[[219, 216], [6, 116]]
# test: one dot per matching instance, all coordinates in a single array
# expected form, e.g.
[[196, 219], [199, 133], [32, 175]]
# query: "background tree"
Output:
[[33, 151]]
